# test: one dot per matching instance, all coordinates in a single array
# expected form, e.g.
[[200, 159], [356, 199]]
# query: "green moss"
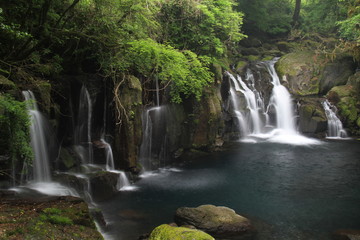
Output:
[[167, 232], [347, 108], [240, 65], [342, 91], [267, 58], [253, 58], [134, 83]]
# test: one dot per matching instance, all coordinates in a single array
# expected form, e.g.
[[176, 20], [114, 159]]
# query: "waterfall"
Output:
[[240, 119], [41, 165], [282, 102], [335, 127], [251, 113], [145, 155], [82, 133]]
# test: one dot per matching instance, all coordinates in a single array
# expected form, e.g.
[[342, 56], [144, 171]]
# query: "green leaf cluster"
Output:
[[204, 27], [14, 129], [184, 69]]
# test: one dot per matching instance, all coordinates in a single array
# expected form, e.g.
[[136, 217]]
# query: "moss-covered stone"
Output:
[[240, 66], [300, 72], [253, 58], [312, 118], [67, 159], [167, 232], [347, 101]]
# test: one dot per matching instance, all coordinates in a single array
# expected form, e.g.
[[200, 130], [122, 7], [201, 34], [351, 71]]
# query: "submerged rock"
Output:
[[347, 235], [220, 222], [167, 232]]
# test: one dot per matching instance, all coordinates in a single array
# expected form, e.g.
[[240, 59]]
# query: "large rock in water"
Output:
[[220, 222], [312, 118], [167, 232]]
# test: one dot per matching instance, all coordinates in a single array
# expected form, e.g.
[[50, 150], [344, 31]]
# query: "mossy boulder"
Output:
[[306, 73], [312, 117], [347, 100], [220, 222], [167, 232], [300, 72], [336, 73]]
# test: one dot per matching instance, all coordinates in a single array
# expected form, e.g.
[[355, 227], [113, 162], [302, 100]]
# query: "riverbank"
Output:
[[45, 218]]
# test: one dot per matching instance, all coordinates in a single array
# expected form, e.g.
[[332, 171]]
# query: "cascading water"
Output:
[[39, 130], [281, 101], [152, 150], [335, 127], [82, 133], [41, 163], [145, 156], [252, 114]]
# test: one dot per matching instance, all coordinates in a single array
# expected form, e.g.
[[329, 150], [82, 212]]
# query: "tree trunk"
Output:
[[296, 15]]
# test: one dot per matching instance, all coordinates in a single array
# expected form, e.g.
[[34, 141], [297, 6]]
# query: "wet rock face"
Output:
[[312, 118], [103, 185], [220, 222], [128, 127], [336, 73]]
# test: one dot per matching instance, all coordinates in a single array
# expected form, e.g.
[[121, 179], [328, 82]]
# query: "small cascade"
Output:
[[82, 133], [335, 127], [282, 102], [253, 114], [153, 154], [41, 163], [149, 116]]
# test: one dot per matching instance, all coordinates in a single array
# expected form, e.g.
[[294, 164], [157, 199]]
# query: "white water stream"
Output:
[[253, 118], [335, 127]]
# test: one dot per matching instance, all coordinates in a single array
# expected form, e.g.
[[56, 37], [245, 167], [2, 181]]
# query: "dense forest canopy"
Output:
[[116, 38]]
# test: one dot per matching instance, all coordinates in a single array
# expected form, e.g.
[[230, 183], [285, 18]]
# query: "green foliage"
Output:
[[321, 15], [185, 69], [267, 16], [350, 28], [14, 129], [204, 27]]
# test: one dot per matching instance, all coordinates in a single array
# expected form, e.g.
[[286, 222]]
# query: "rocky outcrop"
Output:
[[307, 73], [347, 99], [220, 222], [336, 73], [312, 117], [128, 128], [166, 231], [103, 185], [299, 72]]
